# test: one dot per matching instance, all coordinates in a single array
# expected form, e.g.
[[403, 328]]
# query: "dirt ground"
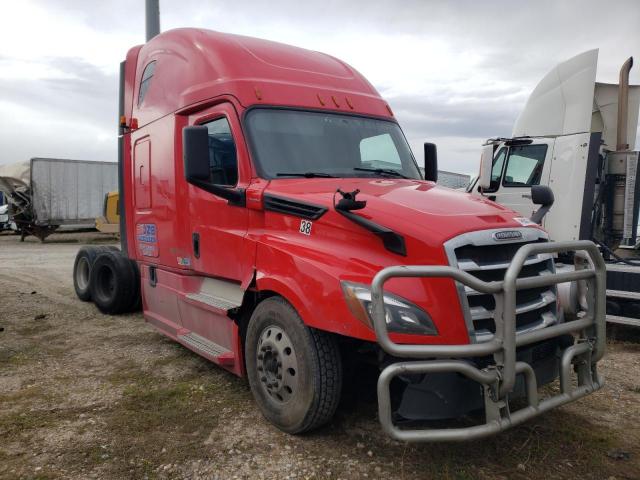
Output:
[[85, 395]]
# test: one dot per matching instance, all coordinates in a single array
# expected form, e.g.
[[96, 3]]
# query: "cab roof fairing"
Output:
[[568, 100], [195, 65]]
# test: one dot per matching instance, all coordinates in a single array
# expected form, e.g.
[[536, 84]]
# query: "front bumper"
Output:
[[498, 379]]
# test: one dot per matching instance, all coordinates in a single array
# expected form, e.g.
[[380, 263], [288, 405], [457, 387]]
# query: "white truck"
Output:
[[577, 136]]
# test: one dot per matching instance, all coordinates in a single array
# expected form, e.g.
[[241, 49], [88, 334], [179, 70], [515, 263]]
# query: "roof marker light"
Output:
[[258, 93], [335, 101], [348, 102], [389, 110], [320, 100]]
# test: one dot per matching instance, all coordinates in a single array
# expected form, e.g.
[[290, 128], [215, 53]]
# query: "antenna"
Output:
[[152, 18]]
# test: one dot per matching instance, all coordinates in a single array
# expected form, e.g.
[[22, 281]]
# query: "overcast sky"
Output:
[[454, 72]]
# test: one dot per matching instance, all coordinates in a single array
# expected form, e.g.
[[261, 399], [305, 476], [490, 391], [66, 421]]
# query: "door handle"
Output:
[[195, 241], [526, 195], [153, 276]]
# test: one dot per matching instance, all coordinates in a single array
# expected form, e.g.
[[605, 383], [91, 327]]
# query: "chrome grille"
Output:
[[486, 258]]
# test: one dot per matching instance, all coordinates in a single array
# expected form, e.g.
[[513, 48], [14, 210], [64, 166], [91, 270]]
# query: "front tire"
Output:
[[295, 372]]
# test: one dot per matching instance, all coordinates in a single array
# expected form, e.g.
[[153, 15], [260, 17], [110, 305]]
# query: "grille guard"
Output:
[[498, 380]]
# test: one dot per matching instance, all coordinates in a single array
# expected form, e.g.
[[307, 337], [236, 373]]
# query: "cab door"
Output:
[[217, 227], [516, 168]]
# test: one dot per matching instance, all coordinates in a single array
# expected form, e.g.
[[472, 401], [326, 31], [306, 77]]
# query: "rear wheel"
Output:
[[82, 267], [113, 283], [295, 372], [82, 272]]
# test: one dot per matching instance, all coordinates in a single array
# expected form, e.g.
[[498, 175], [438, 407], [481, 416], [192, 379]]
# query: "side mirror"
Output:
[[195, 150], [543, 196], [486, 165], [195, 153], [430, 162]]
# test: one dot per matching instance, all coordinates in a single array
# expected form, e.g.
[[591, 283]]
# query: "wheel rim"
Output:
[[82, 273], [277, 364]]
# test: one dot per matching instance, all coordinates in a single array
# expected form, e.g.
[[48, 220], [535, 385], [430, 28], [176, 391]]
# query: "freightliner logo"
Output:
[[507, 235]]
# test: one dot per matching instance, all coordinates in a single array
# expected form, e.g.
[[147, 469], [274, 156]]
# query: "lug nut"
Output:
[[279, 364], [279, 377], [263, 379]]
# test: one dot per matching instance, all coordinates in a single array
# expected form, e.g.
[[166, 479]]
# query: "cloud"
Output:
[[68, 113], [453, 72]]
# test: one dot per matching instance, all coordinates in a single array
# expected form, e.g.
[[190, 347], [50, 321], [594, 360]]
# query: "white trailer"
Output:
[[58, 192]]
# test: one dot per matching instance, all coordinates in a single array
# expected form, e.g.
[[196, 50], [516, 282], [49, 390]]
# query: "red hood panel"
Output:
[[410, 207]]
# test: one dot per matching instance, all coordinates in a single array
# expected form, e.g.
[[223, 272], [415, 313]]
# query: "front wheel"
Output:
[[295, 372]]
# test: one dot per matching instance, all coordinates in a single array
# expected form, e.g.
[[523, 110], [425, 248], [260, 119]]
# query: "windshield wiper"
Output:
[[306, 175], [385, 171]]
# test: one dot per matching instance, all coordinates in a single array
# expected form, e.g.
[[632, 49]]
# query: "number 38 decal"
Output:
[[305, 227]]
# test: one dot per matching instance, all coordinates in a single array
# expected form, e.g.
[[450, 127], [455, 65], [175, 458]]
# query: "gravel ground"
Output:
[[85, 395]]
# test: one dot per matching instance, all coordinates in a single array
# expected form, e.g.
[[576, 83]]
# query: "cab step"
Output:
[[210, 349], [211, 302]]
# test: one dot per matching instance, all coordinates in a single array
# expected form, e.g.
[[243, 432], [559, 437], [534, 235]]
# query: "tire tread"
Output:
[[328, 372]]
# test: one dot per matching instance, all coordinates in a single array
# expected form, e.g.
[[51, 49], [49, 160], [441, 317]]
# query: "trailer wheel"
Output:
[[295, 372], [113, 282], [82, 272]]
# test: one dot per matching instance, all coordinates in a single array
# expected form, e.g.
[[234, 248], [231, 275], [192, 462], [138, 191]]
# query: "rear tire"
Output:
[[114, 285], [295, 372], [82, 272]]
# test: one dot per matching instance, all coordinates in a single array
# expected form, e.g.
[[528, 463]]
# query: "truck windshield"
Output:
[[319, 144]]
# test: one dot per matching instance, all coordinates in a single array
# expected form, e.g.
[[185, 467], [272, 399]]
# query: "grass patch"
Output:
[[19, 355], [35, 328], [156, 422], [33, 392], [23, 421], [558, 445]]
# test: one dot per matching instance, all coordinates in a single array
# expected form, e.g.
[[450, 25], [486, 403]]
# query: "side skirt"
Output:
[[194, 311]]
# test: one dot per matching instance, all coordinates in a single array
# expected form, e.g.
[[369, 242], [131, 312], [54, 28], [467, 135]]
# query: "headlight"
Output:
[[401, 316]]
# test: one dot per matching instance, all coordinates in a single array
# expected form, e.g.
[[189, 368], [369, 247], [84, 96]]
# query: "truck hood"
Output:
[[410, 207]]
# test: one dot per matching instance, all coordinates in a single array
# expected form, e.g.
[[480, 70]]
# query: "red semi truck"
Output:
[[274, 220]]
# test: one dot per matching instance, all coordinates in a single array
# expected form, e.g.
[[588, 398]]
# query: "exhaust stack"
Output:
[[152, 18], [623, 105]]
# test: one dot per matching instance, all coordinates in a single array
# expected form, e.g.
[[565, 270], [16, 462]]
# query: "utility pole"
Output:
[[152, 18]]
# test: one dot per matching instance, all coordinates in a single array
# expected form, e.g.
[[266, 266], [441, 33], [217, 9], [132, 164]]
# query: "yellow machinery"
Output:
[[110, 221]]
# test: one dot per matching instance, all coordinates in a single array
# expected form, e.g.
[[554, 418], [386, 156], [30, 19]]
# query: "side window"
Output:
[[524, 166], [379, 152], [147, 75], [223, 162], [496, 171], [498, 162]]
